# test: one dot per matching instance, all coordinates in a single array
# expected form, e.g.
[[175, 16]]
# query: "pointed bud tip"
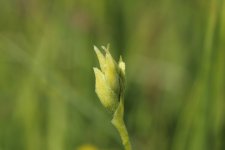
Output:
[[108, 45], [95, 48], [103, 47], [97, 72], [121, 59], [95, 69], [122, 65], [106, 49]]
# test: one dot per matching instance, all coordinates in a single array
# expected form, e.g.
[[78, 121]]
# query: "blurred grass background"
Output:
[[175, 56]]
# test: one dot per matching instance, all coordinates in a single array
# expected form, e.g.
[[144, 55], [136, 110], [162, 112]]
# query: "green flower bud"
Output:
[[110, 80]]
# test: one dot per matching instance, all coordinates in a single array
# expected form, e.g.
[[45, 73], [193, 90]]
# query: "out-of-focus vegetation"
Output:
[[175, 56]]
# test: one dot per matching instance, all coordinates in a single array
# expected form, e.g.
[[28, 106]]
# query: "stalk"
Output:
[[118, 122]]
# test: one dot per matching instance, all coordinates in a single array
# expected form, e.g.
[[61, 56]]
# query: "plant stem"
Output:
[[119, 124]]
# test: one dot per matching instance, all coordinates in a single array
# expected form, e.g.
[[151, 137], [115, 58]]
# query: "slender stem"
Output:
[[118, 122], [120, 126]]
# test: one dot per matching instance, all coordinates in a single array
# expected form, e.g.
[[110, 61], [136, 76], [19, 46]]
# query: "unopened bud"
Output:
[[110, 80]]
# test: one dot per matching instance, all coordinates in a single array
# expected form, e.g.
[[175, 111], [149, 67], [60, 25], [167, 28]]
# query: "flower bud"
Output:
[[110, 80]]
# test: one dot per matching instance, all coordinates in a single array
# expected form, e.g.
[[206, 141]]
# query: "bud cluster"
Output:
[[110, 79]]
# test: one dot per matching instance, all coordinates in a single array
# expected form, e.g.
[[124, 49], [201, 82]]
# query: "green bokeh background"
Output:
[[175, 57]]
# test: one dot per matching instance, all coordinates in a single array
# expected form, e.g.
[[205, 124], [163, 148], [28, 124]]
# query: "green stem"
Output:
[[119, 124]]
